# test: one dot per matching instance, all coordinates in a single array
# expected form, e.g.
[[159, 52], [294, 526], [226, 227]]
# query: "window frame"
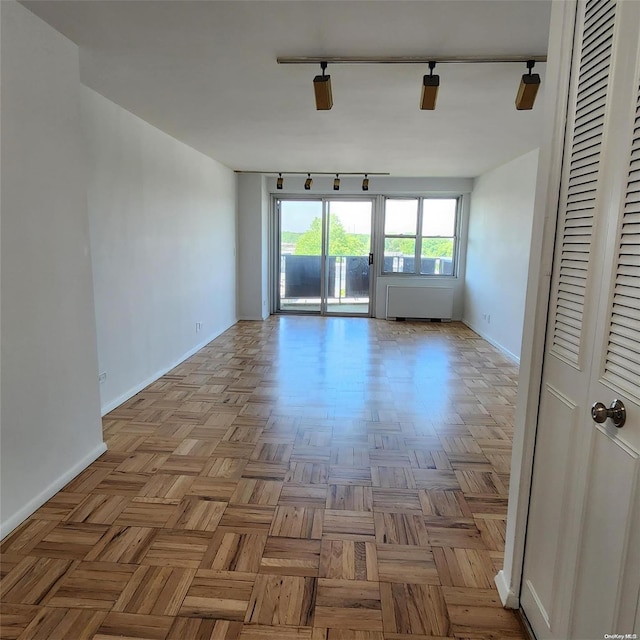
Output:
[[418, 237]]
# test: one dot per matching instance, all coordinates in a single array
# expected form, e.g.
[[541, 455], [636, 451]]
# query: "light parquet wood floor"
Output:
[[301, 478]]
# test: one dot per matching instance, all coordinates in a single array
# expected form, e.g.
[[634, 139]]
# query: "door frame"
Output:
[[556, 82], [274, 250]]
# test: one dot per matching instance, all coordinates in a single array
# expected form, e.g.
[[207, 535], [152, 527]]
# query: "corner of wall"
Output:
[[51, 422], [490, 340]]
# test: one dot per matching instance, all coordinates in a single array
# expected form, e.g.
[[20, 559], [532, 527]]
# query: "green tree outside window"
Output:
[[341, 243]]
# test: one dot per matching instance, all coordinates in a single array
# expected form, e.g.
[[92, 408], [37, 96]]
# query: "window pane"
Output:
[[349, 228], [439, 217], [399, 255], [301, 227], [300, 249], [401, 217], [437, 247], [437, 256]]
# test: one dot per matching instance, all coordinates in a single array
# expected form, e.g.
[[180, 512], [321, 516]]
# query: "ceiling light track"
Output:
[[315, 60], [308, 183], [315, 173], [525, 99]]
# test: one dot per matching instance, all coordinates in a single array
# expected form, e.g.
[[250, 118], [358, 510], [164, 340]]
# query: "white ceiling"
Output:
[[206, 73]]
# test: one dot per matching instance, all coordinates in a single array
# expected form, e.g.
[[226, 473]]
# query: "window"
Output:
[[420, 236]]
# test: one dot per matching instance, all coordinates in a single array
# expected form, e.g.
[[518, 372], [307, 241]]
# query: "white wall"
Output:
[[254, 229], [253, 247], [50, 411], [498, 252], [163, 233]]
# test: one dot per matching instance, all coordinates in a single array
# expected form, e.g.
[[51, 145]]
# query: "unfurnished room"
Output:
[[320, 319]]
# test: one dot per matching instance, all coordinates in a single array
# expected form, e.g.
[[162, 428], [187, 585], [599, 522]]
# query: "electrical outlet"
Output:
[[489, 318], [198, 327], [102, 377]]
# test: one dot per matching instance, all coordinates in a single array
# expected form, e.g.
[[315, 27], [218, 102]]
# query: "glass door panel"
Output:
[[347, 270], [300, 256]]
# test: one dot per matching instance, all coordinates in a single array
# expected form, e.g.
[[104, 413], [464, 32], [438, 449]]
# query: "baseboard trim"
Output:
[[509, 599], [493, 342], [15, 520], [113, 404]]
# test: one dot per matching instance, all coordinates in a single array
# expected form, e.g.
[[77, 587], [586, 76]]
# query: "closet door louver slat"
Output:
[[580, 177], [622, 362]]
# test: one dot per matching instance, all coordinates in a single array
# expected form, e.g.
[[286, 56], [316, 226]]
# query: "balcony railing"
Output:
[[348, 276]]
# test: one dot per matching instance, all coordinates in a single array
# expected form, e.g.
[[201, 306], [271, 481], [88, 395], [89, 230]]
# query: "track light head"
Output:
[[322, 89], [308, 182], [365, 183], [430, 85], [528, 90], [279, 181], [336, 183]]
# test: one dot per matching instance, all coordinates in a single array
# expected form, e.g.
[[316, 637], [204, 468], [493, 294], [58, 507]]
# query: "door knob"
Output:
[[616, 412]]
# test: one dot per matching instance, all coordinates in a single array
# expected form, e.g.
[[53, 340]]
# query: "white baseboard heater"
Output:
[[430, 303]]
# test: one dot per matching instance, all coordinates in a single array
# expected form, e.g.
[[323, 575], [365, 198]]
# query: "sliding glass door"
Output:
[[323, 250]]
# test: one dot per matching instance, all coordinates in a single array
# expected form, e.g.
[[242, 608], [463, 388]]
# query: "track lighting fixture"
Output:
[[308, 183], [529, 84], [528, 89], [430, 85], [322, 89]]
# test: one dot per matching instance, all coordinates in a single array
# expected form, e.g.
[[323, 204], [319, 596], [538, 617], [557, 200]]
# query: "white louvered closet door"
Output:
[[581, 574], [607, 592]]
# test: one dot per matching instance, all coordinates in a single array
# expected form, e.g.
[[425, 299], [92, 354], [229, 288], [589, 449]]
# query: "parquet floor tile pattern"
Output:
[[299, 478]]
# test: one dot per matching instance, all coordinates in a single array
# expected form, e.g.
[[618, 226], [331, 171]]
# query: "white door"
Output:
[[581, 574]]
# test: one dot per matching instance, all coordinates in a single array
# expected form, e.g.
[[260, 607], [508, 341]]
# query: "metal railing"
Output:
[[348, 276]]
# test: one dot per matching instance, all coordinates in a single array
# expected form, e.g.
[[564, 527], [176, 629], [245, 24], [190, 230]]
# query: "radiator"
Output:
[[419, 302]]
